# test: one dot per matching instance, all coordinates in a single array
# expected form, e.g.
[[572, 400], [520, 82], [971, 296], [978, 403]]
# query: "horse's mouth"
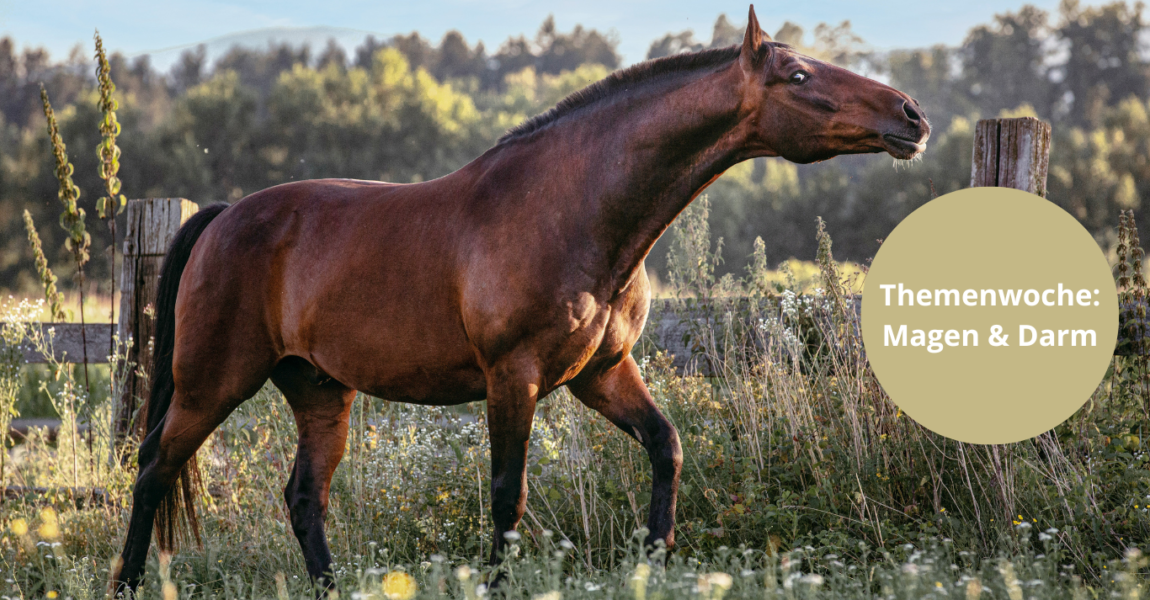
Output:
[[902, 147]]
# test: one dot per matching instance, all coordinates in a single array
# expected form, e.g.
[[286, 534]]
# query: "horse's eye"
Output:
[[799, 77]]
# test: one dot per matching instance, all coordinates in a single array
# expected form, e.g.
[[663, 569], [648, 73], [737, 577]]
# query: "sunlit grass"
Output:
[[800, 480]]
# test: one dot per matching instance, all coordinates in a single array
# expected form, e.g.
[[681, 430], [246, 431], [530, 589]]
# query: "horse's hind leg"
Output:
[[189, 421], [321, 410]]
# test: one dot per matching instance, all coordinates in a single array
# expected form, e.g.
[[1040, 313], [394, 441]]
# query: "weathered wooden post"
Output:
[[152, 223], [1012, 153]]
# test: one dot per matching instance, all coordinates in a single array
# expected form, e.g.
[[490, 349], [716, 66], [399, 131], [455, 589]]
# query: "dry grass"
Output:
[[800, 479]]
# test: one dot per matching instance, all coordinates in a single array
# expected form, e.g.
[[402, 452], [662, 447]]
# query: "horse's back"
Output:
[[358, 278]]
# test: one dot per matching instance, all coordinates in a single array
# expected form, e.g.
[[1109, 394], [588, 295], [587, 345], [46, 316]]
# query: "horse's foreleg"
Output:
[[512, 392], [620, 395], [321, 415]]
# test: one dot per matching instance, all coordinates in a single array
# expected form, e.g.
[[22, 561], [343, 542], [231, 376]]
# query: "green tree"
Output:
[[208, 144], [1103, 64], [1005, 64]]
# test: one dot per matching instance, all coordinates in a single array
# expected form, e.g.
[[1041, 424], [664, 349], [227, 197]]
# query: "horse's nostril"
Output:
[[911, 111]]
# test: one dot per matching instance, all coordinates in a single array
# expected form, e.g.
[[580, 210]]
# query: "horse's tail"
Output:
[[168, 523]]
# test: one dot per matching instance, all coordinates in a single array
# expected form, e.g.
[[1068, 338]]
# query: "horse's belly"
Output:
[[431, 388], [422, 365]]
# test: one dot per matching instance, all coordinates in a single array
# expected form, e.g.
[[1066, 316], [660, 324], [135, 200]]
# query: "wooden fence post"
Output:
[[152, 223], [1012, 153]]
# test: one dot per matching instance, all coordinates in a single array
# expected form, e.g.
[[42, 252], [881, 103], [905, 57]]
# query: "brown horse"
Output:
[[518, 273]]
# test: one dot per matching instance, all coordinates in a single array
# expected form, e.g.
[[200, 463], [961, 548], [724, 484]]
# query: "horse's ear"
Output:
[[753, 52]]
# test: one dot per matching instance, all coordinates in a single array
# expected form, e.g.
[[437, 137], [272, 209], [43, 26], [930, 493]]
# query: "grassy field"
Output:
[[800, 479]]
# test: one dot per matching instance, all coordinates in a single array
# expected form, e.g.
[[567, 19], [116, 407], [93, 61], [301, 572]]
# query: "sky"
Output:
[[138, 26]]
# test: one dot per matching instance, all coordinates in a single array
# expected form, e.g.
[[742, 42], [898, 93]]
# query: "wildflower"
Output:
[[973, 589], [281, 586], [1013, 590], [49, 525], [552, 595], [511, 536], [463, 573], [638, 583], [566, 544], [52, 594], [19, 527], [715, 585], [397, 585], [812, 579]]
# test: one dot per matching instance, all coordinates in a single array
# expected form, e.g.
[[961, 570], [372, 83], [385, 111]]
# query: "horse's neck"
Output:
[[670, 143]]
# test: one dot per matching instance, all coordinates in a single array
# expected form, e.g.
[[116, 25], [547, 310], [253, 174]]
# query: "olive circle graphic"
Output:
[[989, 315]]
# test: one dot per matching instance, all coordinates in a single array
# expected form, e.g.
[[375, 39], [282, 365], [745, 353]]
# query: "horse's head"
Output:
[[807, 110]]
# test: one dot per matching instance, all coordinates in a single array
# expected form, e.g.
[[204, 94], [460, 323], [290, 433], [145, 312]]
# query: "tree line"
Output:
[[405, 109]]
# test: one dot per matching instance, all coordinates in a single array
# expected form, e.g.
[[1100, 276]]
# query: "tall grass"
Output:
[[800, 479]]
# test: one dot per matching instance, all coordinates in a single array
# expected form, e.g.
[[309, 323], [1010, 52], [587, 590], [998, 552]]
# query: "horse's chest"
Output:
[[594, 335]]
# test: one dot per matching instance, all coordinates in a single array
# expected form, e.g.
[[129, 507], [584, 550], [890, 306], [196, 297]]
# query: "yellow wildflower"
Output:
[[49, 525], [19, 527], [973, 589], [638, 583], [715, 585], [399, 586]]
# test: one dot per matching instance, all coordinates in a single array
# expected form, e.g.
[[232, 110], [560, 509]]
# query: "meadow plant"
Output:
[[72, 219], [800, 480], [47, 277], [113, 202], [1133, 298], [15, 322]]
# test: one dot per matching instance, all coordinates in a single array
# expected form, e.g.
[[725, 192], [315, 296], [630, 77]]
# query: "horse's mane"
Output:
[[622, 80]]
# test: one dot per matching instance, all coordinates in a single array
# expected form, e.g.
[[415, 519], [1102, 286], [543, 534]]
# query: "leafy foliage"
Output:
[[405, 109]]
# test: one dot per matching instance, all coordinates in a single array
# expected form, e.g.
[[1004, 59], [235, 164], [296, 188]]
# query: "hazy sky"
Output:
[[135, 26]]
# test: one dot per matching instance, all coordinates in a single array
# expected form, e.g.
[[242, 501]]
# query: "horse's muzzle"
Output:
[[902, 147]]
